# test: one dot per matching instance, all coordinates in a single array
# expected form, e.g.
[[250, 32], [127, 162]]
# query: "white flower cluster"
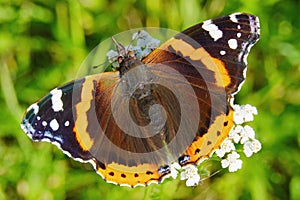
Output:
[[190, 174], [145, 44], [244, 135], [244, 113], [112, 57]]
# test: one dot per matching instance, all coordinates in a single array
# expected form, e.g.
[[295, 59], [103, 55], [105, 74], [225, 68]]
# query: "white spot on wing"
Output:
[[44, 123], [54, 125], [222, 52], [33, 107], [212, 29], [57, 103], [239, 35], [67, 123], [233, 17], [233, 43]]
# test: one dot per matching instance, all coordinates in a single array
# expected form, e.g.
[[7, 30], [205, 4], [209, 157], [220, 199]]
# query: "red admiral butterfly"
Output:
[[193, 77]]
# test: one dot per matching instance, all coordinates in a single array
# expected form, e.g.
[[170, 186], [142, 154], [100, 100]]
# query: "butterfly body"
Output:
[[173, 105]]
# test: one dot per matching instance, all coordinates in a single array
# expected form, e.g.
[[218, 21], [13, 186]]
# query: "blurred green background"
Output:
[[42, 44]]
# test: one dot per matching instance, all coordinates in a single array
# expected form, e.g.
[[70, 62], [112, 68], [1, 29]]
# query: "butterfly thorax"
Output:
[[136, 79], [128, 62]]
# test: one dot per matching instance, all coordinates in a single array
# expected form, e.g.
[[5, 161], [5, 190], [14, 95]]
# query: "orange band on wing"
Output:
[[213, 64], [204, 146], [143, 174], [200, 54], [81, 123]]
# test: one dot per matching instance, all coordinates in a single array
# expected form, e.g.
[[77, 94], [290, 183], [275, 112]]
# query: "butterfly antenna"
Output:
[[99, 65], [120, 48]]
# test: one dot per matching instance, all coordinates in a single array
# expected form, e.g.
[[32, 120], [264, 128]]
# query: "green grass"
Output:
[[42, 44]]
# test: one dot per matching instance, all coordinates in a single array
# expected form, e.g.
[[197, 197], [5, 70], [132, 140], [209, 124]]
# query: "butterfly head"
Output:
[[126, 58]]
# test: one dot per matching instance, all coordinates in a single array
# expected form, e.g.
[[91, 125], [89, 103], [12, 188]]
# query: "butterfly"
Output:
[[174, 105]]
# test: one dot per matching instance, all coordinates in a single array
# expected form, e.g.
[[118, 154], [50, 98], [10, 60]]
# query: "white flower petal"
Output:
[[246, 134], [175, 165], [174, 174], [142, 43], [146, 52], [234, 166], [238, 114], [247, 149], [244, 113], [250, 111], [153, 44], [183, 176], [234, 134], [112, 56], [227, 146], [191, 174], [220, 153], [250, 131], [135, 35], [238, 129], [238, 118], [225, 163], [234, 155], [232, 162], [255, 146], [193, 181], [174, 170], [143, 38]]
